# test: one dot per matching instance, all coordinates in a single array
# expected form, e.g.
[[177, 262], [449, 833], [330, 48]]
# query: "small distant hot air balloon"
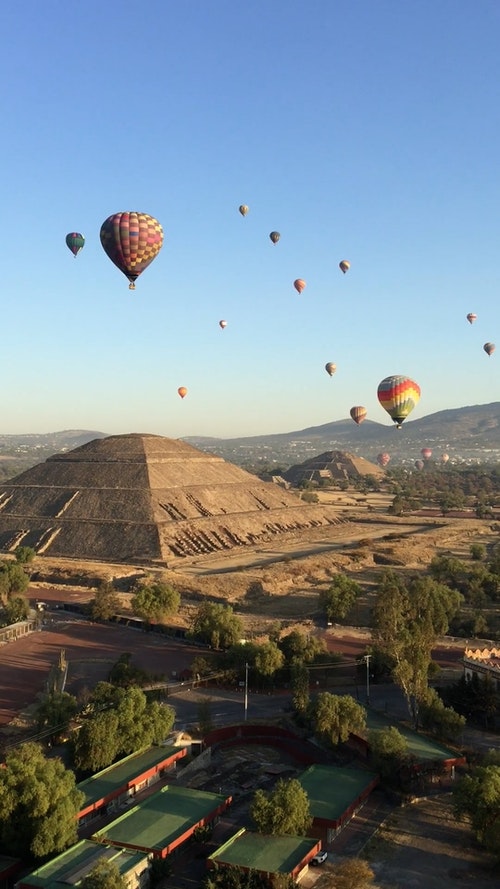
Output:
[[182, 391], [471, 317], [398, 395], [243, 209], [275, 236], [330, 368], [489, 348], [223, 324], [358, 414], [344, 265], [299, 284], [75, 241], [131, 240], [383, 459], [426, 453], [419, 464], [445, 458]]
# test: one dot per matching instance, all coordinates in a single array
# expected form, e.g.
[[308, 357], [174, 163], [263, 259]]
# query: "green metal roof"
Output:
[[69, 868], [160, 819], [264, 853], [420, 746], [121, 773], [331, 789]]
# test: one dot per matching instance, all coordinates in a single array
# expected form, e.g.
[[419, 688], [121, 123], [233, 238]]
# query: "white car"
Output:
[[319, 858]]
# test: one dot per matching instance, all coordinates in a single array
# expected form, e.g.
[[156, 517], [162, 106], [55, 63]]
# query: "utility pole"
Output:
[[367, 662], [246, 690]]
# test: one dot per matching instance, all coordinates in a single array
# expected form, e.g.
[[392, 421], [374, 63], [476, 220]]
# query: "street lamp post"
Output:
[[367, 662], [246, 691]]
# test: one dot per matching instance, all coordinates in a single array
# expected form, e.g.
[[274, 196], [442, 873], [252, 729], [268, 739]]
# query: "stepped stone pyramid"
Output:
[[145, 499], [332, 465]]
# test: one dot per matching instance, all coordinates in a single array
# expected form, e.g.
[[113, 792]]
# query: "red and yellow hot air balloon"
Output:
[[398, 395], [222, 324], [299, 285], [426, 453], [330, 368], [471, 317], [489, 348], [182, 391], [383, 459], [358, 414], [75, 242], [131, 240], [243, 209], [344, 265]]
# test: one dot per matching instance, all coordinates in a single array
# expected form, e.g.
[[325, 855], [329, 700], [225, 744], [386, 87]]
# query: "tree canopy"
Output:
[[476, 797], [339, 598], [334, 717], [155, 600], [217, 625], [283, 812], [104, 875]]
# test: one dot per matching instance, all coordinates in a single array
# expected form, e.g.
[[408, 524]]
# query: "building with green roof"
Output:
[[69, 868], [114, 786], [335, 795], [163, 821], [266, 854]]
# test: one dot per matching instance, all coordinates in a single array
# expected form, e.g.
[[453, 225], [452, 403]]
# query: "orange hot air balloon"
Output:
[[471, 317], [299, 285], [358, 414], [275, 236], [182, 391], [223, 324], [489, 348], [383, 459], [330, 368], [243, 209], [344, 265]]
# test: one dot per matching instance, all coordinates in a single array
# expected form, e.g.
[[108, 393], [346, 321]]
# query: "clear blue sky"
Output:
[[366, 130]]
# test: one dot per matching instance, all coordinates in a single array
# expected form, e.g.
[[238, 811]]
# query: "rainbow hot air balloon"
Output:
[[358, 414], [182, 391], [419, 464], [131, 240], [299, 285], [330, 368], [75, 241], [383, 459], [489, 348], [243, 209], [471, 317], [398, 395], [275, 236], [222, 324], [344, 265]]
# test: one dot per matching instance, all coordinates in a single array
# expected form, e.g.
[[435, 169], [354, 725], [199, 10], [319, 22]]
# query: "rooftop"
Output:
[[331, 789], [264, 853], [104, 783]]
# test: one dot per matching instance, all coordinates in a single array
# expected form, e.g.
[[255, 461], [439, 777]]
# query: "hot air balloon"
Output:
[[383, 459], [398, 395], [182, 391], [419, 464], [299, 285], [358, 414], [426, 453], [344, 265], [243, 209], [330, 368], [75, 241], [223, 324], [489, 348], [275, 236], [444, 458], [471, 317], [131, 240]]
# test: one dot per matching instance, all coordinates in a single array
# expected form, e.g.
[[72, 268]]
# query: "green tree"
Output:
[[54, 713], [339, 598], [97, 744], [155, 601], [389, 752], [16, 609], [217, 625], [268, 659], [24, 554], [301, 648], [353, 873], [13, 579], [477, 551], [335, 716], [300, 688], [476, 798], [40, 802], [440, 720], [283, 812], [106, 602], [104, 875]]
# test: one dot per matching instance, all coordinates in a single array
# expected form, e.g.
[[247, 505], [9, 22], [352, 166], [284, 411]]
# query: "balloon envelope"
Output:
[[299, 284], [445, 458], [489, 348], [182, 391], [131, 240], [344, 265], [426, 453], [419, 464], [398, 395], [75, 241], [358, 414], [330, 368], [471, 317], [383, 459], [243, 209], [223, 324], [275, 236]]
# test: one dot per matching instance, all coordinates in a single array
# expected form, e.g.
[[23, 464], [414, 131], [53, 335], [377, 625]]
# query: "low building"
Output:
[[268, 855], [69, 868], [483, 662], [335, 795]]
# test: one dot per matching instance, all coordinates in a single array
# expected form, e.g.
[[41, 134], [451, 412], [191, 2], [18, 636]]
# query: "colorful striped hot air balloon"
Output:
[[471, 317], [398, 395], [299, 285], [75, 242], [383, 459], [131, 240], [358, 414]]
